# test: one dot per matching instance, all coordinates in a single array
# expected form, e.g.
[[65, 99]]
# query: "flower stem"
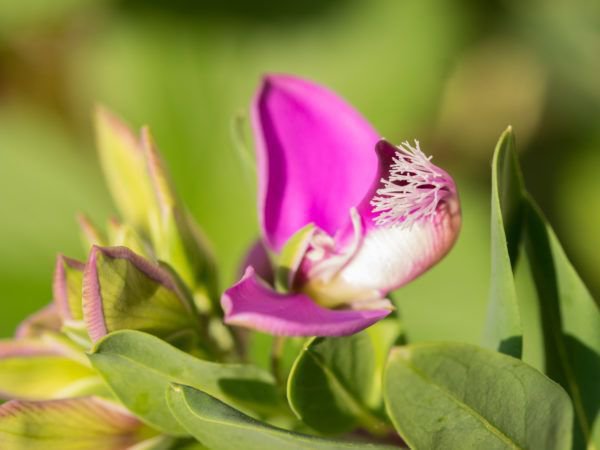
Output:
[[276, 356]]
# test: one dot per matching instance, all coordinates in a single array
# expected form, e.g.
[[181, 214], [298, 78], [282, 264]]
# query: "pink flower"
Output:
[[346, 216]]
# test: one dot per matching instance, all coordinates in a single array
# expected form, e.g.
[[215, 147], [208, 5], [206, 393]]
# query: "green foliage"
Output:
[[561, 310], [221, 427], [503, 324], [124, 291], [334, 384], [147, 303], [570, 325], [144, 194], [42, 376], [459, 396], [139, 367], [73, 424]]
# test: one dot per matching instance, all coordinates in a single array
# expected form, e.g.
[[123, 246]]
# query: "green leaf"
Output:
[[139, 368], [176, 237], [183, 245], [66, 288], [122, 234], [74, 424], [124, 166], [34, 369], [142, 190], [90, 234], [219, 426], [122, 290], [571, 326], [503, 329], [333, 384], [459, 396]]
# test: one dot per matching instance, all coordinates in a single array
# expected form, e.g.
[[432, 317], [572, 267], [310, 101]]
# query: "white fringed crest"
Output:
[[412, 191]]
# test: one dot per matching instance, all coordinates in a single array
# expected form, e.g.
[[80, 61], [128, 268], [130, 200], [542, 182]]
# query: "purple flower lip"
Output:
[[289, 314], [380, 214]]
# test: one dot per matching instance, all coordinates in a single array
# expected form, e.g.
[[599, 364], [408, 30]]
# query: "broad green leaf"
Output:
[[124, 167], [503, 329], [460, 396], [73, 424], [291, 256], [34, 369], [122, 290], [139, 368], [571, 326], [66, 287], [221, 427], [333, 384]]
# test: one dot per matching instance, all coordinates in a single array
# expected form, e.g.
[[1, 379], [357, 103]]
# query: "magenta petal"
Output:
[[315, 157], [251, 303], [257, 256]]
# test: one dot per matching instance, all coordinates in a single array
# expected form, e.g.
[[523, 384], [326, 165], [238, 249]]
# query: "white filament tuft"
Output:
[[413, 190]]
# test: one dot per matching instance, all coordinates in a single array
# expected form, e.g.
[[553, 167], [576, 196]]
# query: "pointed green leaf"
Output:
[[139, 368], [503, 329], [183, 245], [333, 384], [37, 370], [90, 235], [125, 170], [146, 199], [122, 290], [458, 396], [176, 237], [74, 424], [571, 326], [222, 427], [67, 286], [124, 235]]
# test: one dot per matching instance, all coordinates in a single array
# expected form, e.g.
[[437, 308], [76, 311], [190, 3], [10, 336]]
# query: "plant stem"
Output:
[[276, 356]]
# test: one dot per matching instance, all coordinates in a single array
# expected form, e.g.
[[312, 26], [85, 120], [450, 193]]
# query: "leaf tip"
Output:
[[92, 297]]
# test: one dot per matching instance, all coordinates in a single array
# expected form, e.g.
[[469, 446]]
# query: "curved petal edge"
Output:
[[307, 138], [252, 304]]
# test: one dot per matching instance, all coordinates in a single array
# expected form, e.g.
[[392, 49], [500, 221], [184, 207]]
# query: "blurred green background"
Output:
[[452, 74]]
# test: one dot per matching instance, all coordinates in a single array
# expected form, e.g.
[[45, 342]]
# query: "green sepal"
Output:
[[290, 257], [67, 286], [122, 290]]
